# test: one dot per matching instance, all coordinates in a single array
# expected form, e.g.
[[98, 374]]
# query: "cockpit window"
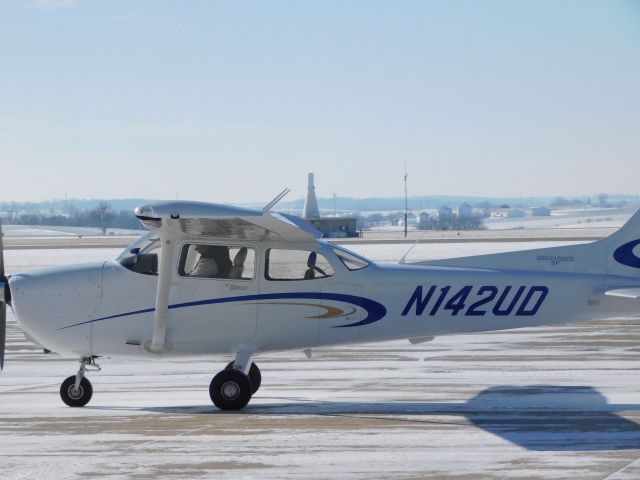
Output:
[[296, 265], [142, 255], [351, 260]]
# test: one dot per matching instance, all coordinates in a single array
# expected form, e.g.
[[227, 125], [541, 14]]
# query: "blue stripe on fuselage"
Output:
[[375, 310]]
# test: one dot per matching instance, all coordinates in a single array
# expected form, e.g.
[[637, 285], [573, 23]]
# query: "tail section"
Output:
[[624, 248], [618, 254]]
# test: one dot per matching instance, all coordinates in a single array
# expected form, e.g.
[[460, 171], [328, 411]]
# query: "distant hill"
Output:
[[414, 203], [342, 204], [68, 206], [374, 204]]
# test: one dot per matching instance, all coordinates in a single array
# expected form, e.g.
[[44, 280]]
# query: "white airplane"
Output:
[[216, 279]]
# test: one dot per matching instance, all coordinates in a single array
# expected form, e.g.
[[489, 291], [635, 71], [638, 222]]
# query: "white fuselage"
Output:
[[105, 309]]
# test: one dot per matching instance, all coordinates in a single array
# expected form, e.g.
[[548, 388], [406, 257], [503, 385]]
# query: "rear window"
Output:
[[296, 265]]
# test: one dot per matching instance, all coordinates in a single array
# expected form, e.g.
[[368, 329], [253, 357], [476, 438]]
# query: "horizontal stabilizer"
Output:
[[624, 292]]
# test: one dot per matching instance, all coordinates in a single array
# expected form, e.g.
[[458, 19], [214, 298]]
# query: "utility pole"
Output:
[[335, 210], [406, 205]]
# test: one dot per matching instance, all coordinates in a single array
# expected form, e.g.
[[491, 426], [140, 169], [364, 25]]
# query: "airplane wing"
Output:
[[624, 292], [215, 220]]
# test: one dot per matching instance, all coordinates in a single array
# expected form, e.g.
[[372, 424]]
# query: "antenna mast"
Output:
[[406, 207]]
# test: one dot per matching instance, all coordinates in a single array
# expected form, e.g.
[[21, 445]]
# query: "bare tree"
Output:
[[603, 200], [103, 214]]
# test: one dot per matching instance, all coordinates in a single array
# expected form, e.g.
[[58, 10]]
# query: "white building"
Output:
[[445, 213], [515, 213], [540, 212], [465, 210]]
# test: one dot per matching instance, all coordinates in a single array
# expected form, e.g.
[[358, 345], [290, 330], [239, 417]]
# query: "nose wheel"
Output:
[[76, 396], [76, 390]]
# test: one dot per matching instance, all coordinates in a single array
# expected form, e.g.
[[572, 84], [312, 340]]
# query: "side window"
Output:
[[217, 261], [296, 265]]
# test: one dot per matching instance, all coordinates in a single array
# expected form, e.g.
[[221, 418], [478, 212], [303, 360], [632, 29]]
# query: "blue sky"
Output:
[[230, 101]]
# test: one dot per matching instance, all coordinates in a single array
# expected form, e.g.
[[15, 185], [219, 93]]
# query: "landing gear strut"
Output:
[[76, 390], [232, 388], [255, 377]]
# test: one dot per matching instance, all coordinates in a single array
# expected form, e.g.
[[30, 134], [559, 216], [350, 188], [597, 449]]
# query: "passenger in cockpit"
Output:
[[221, 255]]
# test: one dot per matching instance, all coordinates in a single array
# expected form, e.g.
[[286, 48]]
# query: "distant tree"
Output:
[[603, 200], [560, 202], [452, 223], [103, 215]]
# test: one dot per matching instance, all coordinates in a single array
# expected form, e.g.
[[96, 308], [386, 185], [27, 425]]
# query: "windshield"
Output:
[[144, 244], [350, 259]]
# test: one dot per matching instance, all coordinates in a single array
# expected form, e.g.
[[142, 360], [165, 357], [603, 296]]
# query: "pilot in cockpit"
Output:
[[213, 261]]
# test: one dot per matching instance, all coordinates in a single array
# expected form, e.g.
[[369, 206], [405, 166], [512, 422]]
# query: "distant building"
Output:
[[540, 212], [331, 227], [336, 227], [515, 213], [424, 218], [445, 213], [411, 219], [465, 210]]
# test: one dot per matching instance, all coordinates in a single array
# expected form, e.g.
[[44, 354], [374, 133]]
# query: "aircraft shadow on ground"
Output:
[[541, 418]]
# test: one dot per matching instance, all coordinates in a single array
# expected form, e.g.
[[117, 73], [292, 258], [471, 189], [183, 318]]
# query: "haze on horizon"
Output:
[[230, 101]]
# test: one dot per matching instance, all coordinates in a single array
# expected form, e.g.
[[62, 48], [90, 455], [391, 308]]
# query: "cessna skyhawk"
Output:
[[216, 279]]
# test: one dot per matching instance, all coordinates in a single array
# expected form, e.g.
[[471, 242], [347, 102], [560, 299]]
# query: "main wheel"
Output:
[[73, 397], [255, 377], [230, 390]]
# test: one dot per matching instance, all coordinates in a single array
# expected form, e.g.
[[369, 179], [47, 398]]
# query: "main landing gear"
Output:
[[233, 387], [76, 390]]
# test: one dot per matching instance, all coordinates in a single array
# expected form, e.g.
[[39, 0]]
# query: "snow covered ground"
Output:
[[561, 402], [566, 218]]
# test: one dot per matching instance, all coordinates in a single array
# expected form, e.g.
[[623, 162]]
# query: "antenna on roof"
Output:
[[273, 202]]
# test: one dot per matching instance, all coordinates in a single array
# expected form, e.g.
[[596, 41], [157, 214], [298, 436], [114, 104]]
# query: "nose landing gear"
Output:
[[76, 390]]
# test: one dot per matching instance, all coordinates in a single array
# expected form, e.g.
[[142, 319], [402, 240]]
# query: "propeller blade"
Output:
[[3, 305], [3, 331], [2, 276]]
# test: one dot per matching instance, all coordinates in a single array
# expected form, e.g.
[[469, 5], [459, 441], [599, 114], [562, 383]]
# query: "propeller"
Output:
[[3, 302]]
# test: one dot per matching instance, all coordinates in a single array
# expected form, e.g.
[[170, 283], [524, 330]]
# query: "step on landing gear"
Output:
[[232, 388], [76, 390]]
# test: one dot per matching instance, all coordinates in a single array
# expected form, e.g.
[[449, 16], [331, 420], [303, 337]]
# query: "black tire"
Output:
[[76, 399], [230, 390], [255, 376]]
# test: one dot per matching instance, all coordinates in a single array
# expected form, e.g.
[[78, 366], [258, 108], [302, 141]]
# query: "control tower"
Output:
[[311, 203], [333, 226]]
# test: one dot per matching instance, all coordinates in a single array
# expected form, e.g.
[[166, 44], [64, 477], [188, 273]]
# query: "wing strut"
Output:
[[158, 343]]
